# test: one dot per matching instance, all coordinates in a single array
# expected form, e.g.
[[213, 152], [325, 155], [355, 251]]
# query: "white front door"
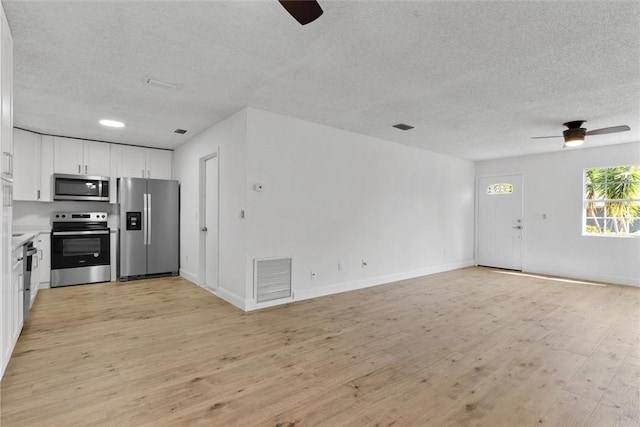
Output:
[[500, 221], [211, 222]]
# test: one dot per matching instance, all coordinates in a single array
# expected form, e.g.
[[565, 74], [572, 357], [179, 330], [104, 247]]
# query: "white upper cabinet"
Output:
[[6, 102], [27, 159], [75, 156], [139, 162], [68, 155], [131, 161], [97, 158], [159, 164]]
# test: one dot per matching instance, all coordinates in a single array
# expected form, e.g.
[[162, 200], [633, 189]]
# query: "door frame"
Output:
[[202, 189], [477, 215]]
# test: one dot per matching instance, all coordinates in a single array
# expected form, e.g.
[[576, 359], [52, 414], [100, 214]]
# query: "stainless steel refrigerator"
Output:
[[149, 227]]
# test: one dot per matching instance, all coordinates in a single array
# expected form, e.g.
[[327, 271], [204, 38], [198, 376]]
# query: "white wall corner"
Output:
[[232, 298], [193, 278]]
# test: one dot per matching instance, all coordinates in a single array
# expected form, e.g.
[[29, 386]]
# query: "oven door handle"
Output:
[[76, 233]]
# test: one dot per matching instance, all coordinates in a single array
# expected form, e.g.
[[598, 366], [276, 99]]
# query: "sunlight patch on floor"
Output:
[[555, 279]]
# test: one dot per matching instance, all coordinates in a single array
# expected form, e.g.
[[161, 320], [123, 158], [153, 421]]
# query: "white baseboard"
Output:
[[303, 294], [189, 276], [230, 297]]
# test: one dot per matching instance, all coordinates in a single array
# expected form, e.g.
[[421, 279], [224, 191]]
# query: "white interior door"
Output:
[[210, 228], [500, 221]]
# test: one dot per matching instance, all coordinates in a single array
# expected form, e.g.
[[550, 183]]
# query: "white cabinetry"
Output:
[[6, 101], [16, 294], [9, 293], [158, 164], [132, 161], [12, 306], [76, 156], [33, 158], [34, 283], [139, 162], [27, 155], [43, 245]]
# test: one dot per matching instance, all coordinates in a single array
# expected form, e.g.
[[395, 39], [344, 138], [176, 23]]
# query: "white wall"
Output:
[[332, 196], [228, 138], [554, 186]]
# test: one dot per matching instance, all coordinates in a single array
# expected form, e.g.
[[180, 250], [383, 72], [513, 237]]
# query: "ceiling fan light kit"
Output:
[[304, 11], [575, 133]]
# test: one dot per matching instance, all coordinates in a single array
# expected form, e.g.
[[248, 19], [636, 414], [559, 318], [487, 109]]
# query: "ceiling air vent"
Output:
[[272, 278], [163, 83], [402, 126], [180, 131]]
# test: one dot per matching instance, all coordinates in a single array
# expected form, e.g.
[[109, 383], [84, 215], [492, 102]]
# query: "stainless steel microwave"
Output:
[[80, 187]]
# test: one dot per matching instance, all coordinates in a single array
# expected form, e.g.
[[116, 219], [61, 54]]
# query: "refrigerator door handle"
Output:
[[144, 219], [149, 219]]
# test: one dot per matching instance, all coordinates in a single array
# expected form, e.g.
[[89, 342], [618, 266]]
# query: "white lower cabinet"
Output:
[[12, 306], [43, 245]]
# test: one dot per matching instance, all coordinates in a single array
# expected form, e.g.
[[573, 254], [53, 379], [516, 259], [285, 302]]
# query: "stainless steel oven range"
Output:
[[80, 248]]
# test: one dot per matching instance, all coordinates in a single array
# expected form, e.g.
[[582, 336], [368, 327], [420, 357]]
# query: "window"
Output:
[[612, 201]]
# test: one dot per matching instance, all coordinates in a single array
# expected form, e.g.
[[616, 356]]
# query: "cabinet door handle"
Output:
[[40, 255], [79, 169], [9, 163], [85, 169], [38, 194]]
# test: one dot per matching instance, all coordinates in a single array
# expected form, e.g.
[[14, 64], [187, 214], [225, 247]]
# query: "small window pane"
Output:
[[594, 225]]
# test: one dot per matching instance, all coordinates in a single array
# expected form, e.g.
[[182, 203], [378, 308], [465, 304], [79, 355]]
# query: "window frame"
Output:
[[604, 202]]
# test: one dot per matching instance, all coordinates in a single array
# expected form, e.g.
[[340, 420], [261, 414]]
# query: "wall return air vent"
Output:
[[272, 278]]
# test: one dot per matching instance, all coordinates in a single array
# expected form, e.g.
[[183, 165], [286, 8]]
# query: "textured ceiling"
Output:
[[477, 79]]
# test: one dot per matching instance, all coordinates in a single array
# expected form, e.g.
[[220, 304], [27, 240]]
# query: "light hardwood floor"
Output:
[[471, 347]]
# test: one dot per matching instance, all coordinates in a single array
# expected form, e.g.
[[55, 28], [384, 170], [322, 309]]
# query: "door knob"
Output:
[[517, 227], [204, 229]]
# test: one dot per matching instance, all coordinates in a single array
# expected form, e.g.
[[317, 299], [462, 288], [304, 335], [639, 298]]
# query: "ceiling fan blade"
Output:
[[612, 129], [543, 137], [304, 11]]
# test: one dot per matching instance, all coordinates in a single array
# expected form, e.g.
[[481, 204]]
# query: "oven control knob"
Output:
[[57, 216], [103, 216], [64, 216]]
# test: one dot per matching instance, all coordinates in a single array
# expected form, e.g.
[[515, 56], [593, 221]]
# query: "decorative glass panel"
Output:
[[500, 188]]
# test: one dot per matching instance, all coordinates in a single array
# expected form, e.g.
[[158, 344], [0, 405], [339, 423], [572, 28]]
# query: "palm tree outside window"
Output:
[[612, 201]]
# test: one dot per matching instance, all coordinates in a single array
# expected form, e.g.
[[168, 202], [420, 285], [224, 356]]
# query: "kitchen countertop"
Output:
[[25, 235]]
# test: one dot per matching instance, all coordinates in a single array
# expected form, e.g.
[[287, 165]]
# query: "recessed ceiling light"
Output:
[[402, 126], [112, 123], [163, 83]]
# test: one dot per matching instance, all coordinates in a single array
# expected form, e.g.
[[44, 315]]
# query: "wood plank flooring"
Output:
[[471, 347]]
